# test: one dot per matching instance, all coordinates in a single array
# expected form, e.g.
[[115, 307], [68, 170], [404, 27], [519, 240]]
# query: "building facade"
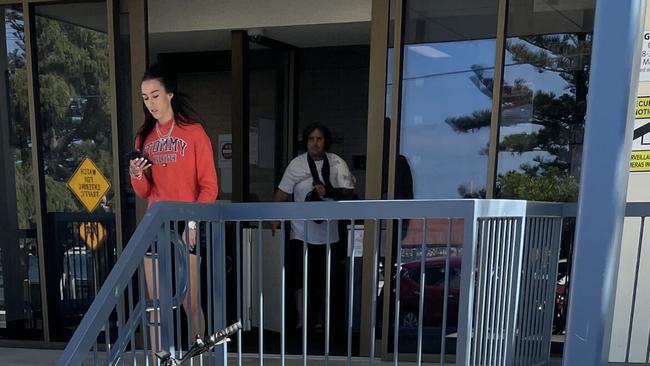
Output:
[[476, 99]]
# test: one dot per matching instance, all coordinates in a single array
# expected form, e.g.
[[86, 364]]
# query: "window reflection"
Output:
[[543, 116], [74, 110], [447, 98], [20, 299]]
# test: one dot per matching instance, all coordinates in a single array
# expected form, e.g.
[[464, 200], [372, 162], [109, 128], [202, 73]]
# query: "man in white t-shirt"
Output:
[[313, 176]]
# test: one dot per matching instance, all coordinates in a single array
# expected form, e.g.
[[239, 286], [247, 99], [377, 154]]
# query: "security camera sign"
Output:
[[640, 160]]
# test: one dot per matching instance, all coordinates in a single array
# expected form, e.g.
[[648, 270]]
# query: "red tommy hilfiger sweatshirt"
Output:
[[183, 167]]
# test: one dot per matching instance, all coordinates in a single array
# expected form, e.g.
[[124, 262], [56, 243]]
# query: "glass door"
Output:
[[270, 111], [73, 116], [21, 315]]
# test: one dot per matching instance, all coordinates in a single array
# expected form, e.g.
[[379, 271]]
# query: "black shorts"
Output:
[[176, 235], [316, 264]]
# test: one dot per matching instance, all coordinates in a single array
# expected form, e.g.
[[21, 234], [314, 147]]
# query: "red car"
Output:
[[434, 289]]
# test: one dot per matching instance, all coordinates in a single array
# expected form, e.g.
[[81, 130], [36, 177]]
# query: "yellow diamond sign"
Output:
[[89, 184], [93, 233]]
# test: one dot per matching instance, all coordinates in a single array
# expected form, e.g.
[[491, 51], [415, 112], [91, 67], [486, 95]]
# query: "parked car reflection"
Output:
[[434, 292]]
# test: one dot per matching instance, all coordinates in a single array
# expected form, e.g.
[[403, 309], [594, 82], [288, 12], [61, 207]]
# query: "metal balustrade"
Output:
[[490, 297]]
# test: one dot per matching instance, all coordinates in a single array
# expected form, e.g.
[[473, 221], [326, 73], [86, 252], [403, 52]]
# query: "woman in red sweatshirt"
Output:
[[180, 168]]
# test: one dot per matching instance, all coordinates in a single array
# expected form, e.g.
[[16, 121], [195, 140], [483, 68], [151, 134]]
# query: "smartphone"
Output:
[[135, 154]]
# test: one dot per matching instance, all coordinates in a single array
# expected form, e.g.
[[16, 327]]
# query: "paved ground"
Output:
[[42, 357]]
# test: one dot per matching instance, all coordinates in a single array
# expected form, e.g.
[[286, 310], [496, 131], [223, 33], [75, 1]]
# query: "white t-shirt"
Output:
[[297, 180]]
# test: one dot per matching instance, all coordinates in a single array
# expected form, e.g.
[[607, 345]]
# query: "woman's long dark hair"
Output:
[[179, 103]]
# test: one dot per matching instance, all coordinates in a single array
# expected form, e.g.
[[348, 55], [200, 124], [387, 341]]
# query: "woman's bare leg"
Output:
[[154, 316], [191, 302]]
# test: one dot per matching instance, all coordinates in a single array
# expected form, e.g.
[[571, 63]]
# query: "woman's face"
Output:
[[316, 143], [157, 100]]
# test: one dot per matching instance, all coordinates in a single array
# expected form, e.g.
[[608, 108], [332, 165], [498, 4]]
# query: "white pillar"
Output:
[[605, 167]]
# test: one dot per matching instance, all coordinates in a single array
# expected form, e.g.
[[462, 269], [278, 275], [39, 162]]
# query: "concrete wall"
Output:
[[194, 15]]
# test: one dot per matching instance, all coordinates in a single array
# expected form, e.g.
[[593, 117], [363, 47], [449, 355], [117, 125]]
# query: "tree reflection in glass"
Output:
[[542, 116]]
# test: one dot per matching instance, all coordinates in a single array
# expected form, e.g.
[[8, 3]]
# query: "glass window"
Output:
[[74, 109], [546, 77], [74, 118], [20, 288], [447, 74]]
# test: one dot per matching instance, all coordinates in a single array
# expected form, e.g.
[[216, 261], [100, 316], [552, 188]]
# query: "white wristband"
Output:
[[191, 225]]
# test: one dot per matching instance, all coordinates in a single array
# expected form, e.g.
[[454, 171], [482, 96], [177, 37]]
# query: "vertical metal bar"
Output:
[[634, 288], [210, 280], [466, 317], [503, 250], [398, 280], [516, 268], [283, 331], [177, 259], [373, 310], [260, 290], [421, 296], [221, 289], [445, 301], [328, 265], [529, 309], [525, 273], [212, 322], [197, 250], [155, 261], [479, 305], [494, 280], [507, 283], [305, 290], [539, 288], [350, 292], [131, 314], [240, 333], [186, 239], [144, 322], [613, 86], [95, 361], [544, 272], [507, 280], [488, 295], [526, 302], [498, 330], [166, 289], [535, 290], [107, 339], [555, 243]]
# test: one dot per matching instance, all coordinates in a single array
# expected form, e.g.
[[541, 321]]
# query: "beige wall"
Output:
[[193, 15]]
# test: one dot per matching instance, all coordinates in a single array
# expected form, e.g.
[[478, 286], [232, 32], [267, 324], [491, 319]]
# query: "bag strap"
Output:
[[330, 192]]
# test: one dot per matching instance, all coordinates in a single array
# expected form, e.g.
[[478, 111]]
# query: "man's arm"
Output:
[[280, 196]]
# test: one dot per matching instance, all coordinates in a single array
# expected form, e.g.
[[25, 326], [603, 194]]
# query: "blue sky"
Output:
[[437, 86]]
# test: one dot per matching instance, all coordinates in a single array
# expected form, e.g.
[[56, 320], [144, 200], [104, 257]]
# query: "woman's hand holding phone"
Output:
[[138, 164]]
